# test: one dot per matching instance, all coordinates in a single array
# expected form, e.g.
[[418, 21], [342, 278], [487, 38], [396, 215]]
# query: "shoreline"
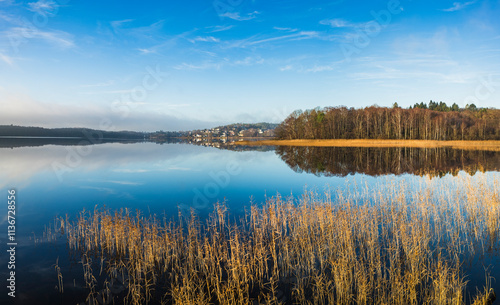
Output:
[[490, 145]]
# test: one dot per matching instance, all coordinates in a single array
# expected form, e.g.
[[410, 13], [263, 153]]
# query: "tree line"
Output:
[[435, 121], [80, 133]]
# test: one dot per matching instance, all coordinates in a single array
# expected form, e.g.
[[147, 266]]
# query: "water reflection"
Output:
[[342, 161], [172, 178], [320, 161], [34, 142]]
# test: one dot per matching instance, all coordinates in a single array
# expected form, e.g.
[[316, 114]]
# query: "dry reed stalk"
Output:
[[395, 246]]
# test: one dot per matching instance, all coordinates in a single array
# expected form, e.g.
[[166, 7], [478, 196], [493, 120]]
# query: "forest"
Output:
[[435, 121]]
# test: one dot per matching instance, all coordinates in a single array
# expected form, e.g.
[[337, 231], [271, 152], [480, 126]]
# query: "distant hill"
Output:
[[77, 133], [262, 125]]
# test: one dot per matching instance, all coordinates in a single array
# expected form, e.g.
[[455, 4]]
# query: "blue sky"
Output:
[[193, 64]]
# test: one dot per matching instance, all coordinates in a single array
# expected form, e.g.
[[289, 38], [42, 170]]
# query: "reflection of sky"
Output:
[[151, 177], [159, 179]]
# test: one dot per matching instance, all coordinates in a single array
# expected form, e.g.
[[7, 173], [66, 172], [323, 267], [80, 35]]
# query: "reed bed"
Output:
[[390, 244], [489, 145]]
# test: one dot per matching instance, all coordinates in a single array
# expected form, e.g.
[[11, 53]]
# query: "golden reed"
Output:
[[390, 244]]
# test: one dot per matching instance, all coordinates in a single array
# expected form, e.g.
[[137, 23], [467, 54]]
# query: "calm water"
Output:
[[55, 180]]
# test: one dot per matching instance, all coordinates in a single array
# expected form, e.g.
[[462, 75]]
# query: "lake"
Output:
[[53, 179]]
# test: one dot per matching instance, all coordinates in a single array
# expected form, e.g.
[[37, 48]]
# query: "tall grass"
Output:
[[384, 245], [490, 145]]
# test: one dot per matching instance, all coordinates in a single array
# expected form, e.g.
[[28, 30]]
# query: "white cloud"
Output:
[[248, 61], [320, 69], [45, 7], [296, 36], [457, 6], [146, 51], [56, 38], [9, 18], [151, 32], [202, 66], [220, 28], [285, 29], [204, 39], [286, 68], [8, 60], [236, 16], [217, 65], [337, 23], [119, 23], [131, 171]]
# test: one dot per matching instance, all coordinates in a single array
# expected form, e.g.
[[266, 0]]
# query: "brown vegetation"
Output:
[[470, 145], [389, 245]]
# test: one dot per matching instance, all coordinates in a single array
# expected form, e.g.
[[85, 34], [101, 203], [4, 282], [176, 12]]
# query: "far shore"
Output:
[[472, 145]]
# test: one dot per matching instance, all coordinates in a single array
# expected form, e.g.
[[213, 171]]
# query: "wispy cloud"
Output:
[[249, 61], [131, 171], [146, 51], [236, 16], [447, 78], [100, 189], [59, 39], [457, 6], [417, 68], [165, 42], [45, 7], [285, 29], [217, 65], [9, 18], [296, 36], [277, 37], [128, 27], [177, 168], [8, 60], [286, 68], [123, 182], [202, 66], [320, 68], [204, 39], [117, 24], [338, 23], [220, 28]]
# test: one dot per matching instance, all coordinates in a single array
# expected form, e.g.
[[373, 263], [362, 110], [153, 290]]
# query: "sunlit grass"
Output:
[[490, 145], [383, 245]]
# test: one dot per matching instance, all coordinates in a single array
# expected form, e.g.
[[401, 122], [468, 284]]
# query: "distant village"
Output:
[[220, 134]]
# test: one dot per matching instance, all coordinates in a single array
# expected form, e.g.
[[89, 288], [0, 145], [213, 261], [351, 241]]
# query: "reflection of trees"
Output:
[[342, 161], [33, 142]]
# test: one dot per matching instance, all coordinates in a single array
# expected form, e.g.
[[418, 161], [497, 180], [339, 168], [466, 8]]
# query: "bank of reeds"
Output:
[[492, 145], [387, 245]]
